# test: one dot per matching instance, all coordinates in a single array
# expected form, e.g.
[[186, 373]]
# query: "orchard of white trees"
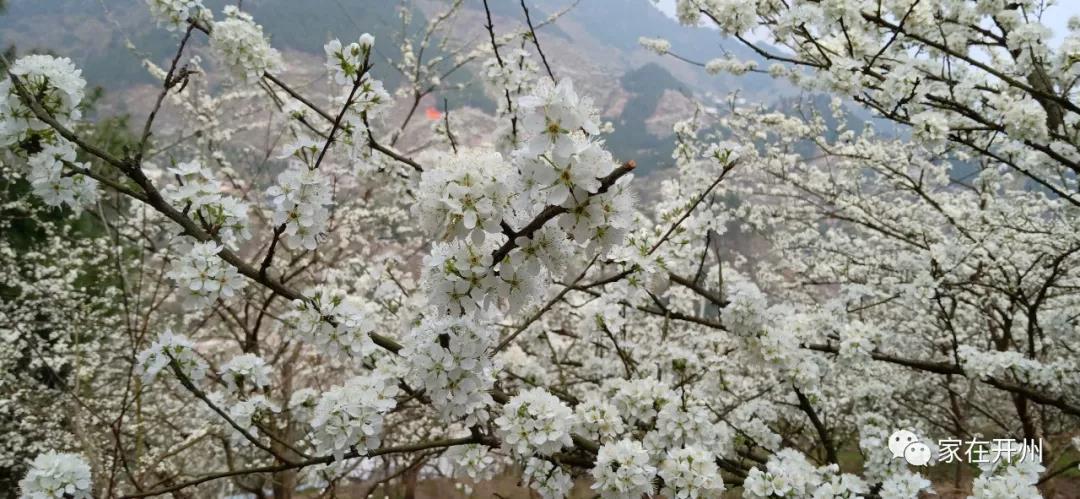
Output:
[[327, 314]]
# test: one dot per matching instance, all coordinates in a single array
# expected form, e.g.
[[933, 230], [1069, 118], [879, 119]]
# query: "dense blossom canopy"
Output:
[[795, 289]]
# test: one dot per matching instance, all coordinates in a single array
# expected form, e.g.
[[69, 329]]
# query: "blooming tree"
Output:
[[505, 303]]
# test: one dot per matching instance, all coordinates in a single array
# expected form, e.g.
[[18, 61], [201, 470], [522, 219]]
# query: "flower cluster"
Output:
[[639, 400], [332, 322], [466, 199], [55, 186], [466, 195], [197, 190], [474, 461], [246, 413], [55, 475], [729, 65], [658, 45], [300, 201], [904, 485], [347, 62], [54, 84], [459, 277], [602, 221], [623, 470], [302, 405], [1015, 478], [168, 348], [554, 114], [448, 358], [175, 14], [242, 48], [547, 479], [203, 276], [676, 427], [245, 371], [789, 474], [57, 88], [988, 364], [598, 419], [351, 415], [930, 127], [535, 421], [515, 75], [690, 472]]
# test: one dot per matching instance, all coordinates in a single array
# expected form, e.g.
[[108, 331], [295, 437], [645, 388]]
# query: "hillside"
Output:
[[109, 38]]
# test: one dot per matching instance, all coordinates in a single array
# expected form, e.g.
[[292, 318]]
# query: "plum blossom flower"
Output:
[[690, 472], [300, 201], [351, 415], [242, 48], [55, 475], [623, 470], [56, 85], [547, 479], [245, 371], [346, 62], [198, 190], [535, 421], [658, 45], [246, 413], [448, 357], [554, 112], [175, 14], [598, 419], [464, 195], [57, 187], [333, 322], [459, 277], [203, 277], [170, 347]]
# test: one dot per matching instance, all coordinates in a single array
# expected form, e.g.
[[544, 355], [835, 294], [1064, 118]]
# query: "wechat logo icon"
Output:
[[905, 444]]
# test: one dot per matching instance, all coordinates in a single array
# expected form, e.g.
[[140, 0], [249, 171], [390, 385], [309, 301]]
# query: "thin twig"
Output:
[[536, 41], [446, 122], [169, 82]]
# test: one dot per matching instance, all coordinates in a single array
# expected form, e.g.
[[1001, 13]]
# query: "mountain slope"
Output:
[[595, 43]]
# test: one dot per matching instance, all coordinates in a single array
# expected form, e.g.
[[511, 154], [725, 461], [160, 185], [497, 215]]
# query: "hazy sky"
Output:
[[1056, 17]]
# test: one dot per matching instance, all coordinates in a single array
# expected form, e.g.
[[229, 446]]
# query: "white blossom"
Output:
[[554, 113], [623, 470], [300, 201], [246, 413], [55, 475], [245, 372], [55, 84], [351, 415], [658, 45], [347, 62], [169, 348], [202, 276], [198, 190], [690, 472], [448, 358], [535, 421], [464, 195], [904, 485], [54, 185], [335, 324], [239, 44], [547, 479], [175, 14], [598, 419], [473, 461]]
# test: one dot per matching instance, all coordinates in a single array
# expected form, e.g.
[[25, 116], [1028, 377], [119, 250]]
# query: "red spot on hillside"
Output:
[[432, 113]]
